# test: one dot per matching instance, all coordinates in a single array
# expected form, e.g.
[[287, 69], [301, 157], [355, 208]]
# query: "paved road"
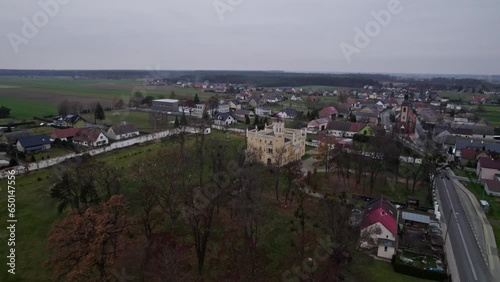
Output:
[[469, 259], [386, 120]]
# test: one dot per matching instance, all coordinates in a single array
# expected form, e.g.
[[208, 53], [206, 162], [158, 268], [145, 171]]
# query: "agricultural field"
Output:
[[492, 114], [28, 97]]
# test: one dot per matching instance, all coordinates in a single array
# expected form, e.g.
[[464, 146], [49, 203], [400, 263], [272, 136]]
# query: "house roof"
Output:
[[356, 126], [64, 133], [317, 122], [468, 154], [339, 125], [36, 140], [74, 118], [462, 131], [223, 116], [12, 137], [380, 210], [124, 129], [492, 147], [493, 185], [328, 111], [416, 217], [489, 163], [86, 135], [243, 112]]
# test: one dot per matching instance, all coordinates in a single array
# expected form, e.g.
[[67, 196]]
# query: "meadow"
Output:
[[28, 97]]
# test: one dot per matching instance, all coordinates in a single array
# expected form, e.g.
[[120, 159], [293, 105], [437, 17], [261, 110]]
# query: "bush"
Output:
[[13, 162], [403, 268]]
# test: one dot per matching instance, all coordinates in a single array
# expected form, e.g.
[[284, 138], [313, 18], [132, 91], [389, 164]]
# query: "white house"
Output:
[[379, 227], [224, 119], [122, 132], [90, 137], [259, 111]]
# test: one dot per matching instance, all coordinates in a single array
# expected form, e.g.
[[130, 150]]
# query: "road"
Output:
[[385, 119], [469, 258]]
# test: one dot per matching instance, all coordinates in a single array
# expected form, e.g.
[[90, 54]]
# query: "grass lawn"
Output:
[[24, 109], [141, 120], [492, 114], [367, 268]]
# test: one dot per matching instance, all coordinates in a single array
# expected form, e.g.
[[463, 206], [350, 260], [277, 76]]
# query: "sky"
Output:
[[366, 36]]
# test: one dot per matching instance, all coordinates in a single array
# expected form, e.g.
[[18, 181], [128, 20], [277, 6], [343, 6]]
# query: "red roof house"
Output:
[[488, 169], [64, 134], [329, 112], [379, 227]]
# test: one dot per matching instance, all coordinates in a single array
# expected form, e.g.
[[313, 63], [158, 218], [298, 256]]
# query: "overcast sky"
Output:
[[425, 36]]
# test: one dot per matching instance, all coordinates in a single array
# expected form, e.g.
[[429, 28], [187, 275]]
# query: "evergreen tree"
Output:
[[196, 99], [176, 123], [265, 121], [256, 120], [247, 120], [183, 119], [99, 113]]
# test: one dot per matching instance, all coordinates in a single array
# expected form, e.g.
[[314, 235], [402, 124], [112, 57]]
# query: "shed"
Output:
[[415, 220]]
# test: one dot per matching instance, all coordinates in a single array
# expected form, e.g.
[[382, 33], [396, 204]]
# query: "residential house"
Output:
[[316, 125], [488, 169], [199, 109], [122, 132], [277, 144], [243, 113], [256, 102], [225, 119], [379, 227], [295, 98], [260, 111], [287, 113], [223, 108], [347, 129], [66, 134], [31, 144], [10, 138], [329, 112], [235, 104], [492, 187], [469, 156], [461, 132], [488, 146], [90, 137]]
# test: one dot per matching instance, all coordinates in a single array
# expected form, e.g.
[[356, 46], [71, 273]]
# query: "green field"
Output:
[[28, 97], [23, 109], [492, 114]]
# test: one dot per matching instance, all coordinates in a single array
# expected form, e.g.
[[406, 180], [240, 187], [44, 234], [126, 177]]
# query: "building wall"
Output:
[[487, 173], [496, 194], [165, 106], [269, 146], [386, 253]]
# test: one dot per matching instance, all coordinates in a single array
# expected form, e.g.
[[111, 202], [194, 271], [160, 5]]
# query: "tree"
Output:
[[205, 115], [293, 175], [196, 99], [352, 118], [99, 113], [148, 101], [33, 160], [87, 247], [183, 121], [136, 99], [247, 119], [256, 121], [63, 107], [176, 123], [172, 95]]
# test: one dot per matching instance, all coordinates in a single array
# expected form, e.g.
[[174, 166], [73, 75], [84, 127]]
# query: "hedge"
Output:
[[403, 268]]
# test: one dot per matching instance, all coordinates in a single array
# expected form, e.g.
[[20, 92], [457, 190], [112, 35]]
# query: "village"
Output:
[[356, 138]]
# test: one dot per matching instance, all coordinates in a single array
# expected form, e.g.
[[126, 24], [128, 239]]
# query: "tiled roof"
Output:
[[64, 133], [124, 129], [86, 135], [489, 163], [382, 211]]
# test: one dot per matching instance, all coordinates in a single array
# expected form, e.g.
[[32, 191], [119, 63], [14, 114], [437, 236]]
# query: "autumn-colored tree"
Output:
[[87, 247]]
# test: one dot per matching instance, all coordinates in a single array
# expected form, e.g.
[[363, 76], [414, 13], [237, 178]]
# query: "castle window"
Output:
[[404, 110]]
